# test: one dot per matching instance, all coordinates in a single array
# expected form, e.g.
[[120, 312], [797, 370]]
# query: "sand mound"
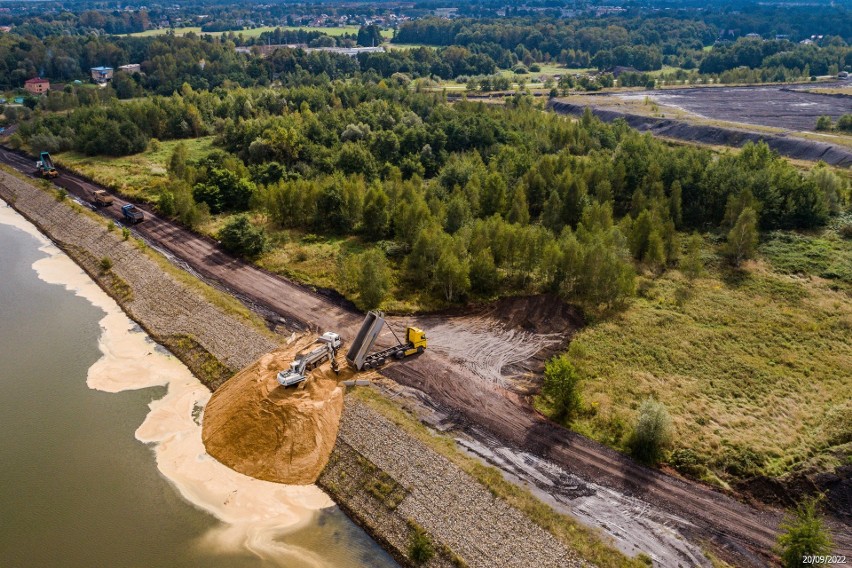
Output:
[[258, 428]]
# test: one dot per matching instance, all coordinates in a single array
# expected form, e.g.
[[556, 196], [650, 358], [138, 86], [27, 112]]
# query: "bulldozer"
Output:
[[359, 355], [45, 167]]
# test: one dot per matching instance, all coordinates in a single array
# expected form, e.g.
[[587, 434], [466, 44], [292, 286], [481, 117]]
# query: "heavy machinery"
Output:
[[300, 366], [131, 213], [45, 167], [359, 355], [102, 198]]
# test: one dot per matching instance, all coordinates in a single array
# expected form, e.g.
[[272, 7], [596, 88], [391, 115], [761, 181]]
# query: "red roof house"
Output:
[[37, 85]]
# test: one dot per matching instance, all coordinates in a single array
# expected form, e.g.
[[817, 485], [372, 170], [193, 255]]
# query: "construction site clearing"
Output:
[[277, 419]]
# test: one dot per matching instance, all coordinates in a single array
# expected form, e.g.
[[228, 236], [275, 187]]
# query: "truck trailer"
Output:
[[359, 355]]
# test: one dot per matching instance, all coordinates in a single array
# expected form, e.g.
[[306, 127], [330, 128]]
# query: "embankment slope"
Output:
[[792, 147]]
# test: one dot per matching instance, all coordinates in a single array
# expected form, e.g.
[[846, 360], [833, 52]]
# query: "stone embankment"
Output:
[[405, 479], [387, 481]]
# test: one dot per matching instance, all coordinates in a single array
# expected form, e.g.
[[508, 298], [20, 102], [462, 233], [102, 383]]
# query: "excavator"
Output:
[[45, 167], [298, 370], [359, 355]]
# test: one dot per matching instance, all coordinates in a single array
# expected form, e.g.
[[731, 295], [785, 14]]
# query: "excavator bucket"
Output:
[[366, 338]]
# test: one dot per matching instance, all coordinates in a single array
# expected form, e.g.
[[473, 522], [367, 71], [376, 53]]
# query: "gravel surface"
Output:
[[483, 530]]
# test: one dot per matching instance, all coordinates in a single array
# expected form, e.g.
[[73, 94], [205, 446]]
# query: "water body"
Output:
[[100, 467]]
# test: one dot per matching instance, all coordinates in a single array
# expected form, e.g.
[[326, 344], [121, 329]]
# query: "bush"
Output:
[[105, 264], [420, 548], [652, 433], [687, 462], [125, 233], [61, 194], [562, 387], [239, 236], [803, 534]]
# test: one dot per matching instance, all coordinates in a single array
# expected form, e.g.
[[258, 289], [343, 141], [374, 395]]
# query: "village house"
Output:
[[37, 85]]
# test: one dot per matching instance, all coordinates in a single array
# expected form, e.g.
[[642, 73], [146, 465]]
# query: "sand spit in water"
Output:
[[255, 512], [268, 432]]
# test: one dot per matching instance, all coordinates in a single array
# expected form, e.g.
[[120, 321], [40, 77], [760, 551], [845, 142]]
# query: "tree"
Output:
[[177, 161], [452, 274], [562, 388], [373, 279], [652, 434], [376, 213], [691, 264], [483, 273], [655, 253], [742, 239], [803, 534], [239, 236], [831, 186]]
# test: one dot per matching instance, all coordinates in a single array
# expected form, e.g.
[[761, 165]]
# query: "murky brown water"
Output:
[[76, 486]]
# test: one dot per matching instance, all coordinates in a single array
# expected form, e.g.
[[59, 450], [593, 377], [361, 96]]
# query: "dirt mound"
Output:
[[260, 429]]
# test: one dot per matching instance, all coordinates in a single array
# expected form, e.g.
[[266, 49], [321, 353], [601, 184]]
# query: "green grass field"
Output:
[[753, 365], [133, 175], [255, 32]]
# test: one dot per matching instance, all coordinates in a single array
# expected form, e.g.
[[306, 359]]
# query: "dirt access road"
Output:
[[740, 533]]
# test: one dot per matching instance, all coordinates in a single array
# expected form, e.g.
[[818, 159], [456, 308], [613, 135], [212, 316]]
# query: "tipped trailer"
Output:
[[45, 167], [359, 355], [298, 370]]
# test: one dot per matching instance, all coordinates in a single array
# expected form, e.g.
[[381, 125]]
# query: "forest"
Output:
[[474, 200]]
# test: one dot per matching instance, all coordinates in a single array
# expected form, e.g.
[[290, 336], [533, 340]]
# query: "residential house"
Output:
[[37, 85]]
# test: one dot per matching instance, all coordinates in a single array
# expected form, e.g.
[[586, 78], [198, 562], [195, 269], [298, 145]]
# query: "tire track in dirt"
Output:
[[470, 400]]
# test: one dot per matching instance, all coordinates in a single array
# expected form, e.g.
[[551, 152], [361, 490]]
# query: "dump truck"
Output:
[[359, 355], [298, 370], [102, 199], [132, 214], [45, 167]]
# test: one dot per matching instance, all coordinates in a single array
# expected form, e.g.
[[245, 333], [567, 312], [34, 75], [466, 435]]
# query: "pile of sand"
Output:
[[263, 430]]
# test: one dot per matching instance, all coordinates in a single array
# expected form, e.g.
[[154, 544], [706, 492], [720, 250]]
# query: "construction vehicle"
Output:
[[102, 199], [45, 167], [132, 214], [298, 370], [359, 355]]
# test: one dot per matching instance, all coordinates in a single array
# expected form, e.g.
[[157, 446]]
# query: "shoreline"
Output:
[[253, 513]]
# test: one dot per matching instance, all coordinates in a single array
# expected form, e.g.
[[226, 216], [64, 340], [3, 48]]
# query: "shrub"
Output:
[[420, 548], [239, 236], [803, 534], [111, 226], [61, 194], [125, 233], [687, 462], [105, 264], [652, 433], [562, 387]]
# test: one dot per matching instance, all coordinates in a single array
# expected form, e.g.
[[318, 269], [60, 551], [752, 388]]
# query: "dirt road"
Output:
[[471, 399]]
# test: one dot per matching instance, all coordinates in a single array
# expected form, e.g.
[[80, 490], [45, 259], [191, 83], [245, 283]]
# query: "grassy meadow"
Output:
[[134, 175], [753, 364]]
